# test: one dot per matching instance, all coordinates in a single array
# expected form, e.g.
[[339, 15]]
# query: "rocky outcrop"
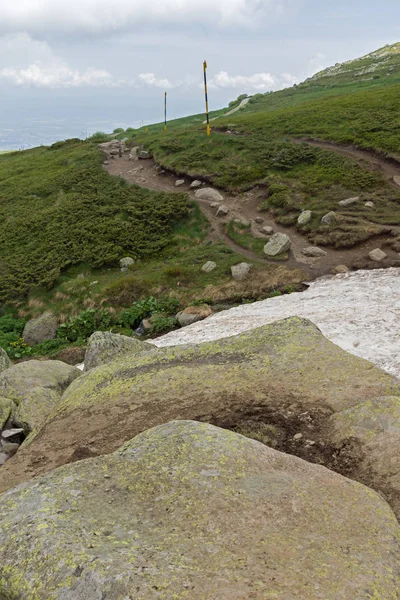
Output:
[[103, 347], [35, 389], [277, 245], [181, 508], [40, 330], [208, 194], [267, 371]]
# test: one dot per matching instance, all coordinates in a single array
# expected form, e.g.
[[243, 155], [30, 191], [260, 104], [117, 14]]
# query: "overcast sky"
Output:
[[109, 61]]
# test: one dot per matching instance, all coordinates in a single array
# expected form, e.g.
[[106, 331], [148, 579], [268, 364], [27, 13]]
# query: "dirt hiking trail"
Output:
[[244, 206]]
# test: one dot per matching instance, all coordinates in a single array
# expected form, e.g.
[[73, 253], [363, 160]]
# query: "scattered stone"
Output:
[[179, 182], [370, 204], [103, 347], [184, 490], [10, 448], [9, 434], [196, 184], [396, 179], [278, 244], [5, 361], [377, 255], [36, 387], [106, 162], [208, 267], [329, 219], [193, 314], [267, 230], [126, 262], [143, 155], [314, 252], [42, 329], [298, 437], [237, 221], [304, 218], [349, 201], [259, 220], [209, 194], [340, 269], [124, 270], [240, 271], [222, 211], [214, 205]]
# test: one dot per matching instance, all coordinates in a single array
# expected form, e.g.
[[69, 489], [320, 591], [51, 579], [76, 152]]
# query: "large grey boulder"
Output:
[[304, 218], [5, 361], [278, 244], [181, 508], [240, 271], [40, 330], [103, 347], [35, 387], [208, 194], [287, 367]]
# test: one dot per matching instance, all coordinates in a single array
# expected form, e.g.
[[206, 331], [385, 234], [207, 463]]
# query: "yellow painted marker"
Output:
[[206, 94]]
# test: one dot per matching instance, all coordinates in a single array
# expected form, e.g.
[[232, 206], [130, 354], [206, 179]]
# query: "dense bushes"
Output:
[[59, 208]]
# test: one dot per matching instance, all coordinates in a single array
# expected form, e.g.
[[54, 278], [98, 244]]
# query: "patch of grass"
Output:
[[241, 234]]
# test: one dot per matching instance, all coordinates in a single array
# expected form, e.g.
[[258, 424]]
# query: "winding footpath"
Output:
[[245, 208]]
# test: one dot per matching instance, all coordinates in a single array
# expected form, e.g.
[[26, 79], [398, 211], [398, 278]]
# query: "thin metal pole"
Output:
[[165, 111], [206, 94]]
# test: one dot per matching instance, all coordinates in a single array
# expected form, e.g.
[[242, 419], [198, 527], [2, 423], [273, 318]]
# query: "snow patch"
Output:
[[360, 312]]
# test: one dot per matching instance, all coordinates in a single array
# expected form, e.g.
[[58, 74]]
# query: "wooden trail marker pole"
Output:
[[165, 111], [206, 94]]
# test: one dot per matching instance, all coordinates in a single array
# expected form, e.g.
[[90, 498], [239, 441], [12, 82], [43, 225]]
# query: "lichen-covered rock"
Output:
[[285, 364], [187, 510], [304, 218], [5, 362], [375, 425], [40, 330], [103, 347], [126, 262], [329, 219], [36, 387], [209, 194], [7, 406], [278, 244], [209, 267], [240, 271]]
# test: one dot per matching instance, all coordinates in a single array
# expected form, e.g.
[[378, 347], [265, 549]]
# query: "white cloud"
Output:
[[107, 16], [151, 80], [262, 82], [56, 75]]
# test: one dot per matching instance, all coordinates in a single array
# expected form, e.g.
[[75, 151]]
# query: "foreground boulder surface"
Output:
[[42, 329], [187, 510], [285, 367], [35, 388], [5, 362], [103, 347]]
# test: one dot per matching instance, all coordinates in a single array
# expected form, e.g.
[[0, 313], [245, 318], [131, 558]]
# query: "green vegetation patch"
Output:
[[59, 208]]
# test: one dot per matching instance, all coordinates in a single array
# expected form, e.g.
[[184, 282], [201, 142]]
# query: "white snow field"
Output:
[[360, 312]]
